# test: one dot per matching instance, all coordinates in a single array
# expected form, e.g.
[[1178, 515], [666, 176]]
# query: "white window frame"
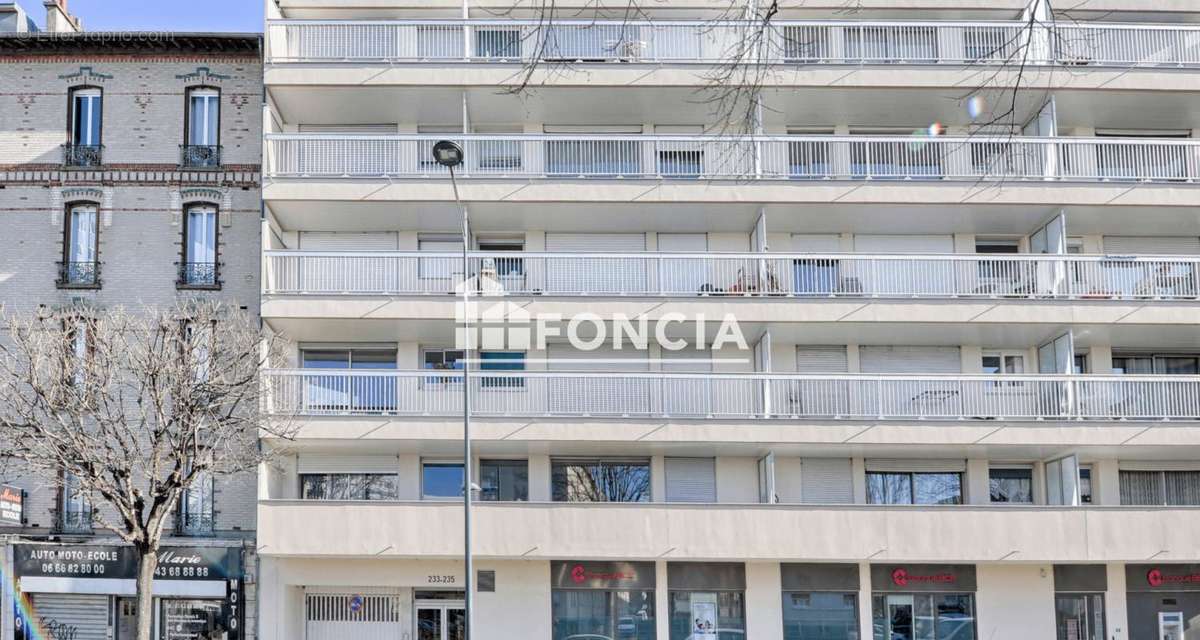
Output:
[[94, 96], [212, 101]]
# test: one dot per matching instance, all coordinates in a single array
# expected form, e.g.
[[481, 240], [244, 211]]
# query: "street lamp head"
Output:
[[448, 153]]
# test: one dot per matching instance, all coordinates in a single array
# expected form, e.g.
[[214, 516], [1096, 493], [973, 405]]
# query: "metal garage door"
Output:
[[80, 617], [362, 616], [600, 277]]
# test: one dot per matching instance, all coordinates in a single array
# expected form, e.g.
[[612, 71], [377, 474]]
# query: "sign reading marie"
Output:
[[12, 505]]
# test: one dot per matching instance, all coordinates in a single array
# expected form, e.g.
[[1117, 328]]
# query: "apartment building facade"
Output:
[[129, 176], [959, 240]]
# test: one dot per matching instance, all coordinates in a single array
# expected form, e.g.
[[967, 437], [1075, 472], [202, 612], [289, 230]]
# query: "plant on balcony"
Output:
[[135, 408]]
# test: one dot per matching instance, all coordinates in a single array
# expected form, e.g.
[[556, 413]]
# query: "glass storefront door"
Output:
[[899, 618], [1079, 616], [440, 620], [924, 616]]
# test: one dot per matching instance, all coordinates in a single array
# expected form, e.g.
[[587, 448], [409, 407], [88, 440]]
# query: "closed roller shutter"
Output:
[[601, 276], [691, 480], [86, 615], [1152, 245], [593, 128], [903, 244], [687, 360], [564, 357], [911, 360], [328, 463], [816, 243], [821, 359], [350, 241], [916, 466], [1159, 465], [348, 128], [826, 481], [683, 242]]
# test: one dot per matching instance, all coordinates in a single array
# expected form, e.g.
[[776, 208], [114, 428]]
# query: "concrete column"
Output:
[[1116, 611], [1100, 360], [865, 628], [408, 241], [853, 363], [846, 242], [658, 479], [858, 473], [1106, 483], [539, 478], [1039, 483], [972, 358], [764, 601], [964, 243], [409, 482], [662, 602], [978, 488]]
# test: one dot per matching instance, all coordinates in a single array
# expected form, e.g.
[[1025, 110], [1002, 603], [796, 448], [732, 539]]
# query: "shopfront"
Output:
[[923, 602], [1079, 601], [86, 592], [707, 600], [820, 601], [602, 599], [1161, 598]]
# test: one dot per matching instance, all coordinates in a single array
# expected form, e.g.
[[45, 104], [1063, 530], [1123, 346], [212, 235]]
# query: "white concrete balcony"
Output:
[[787, 42], [735, 275], [738, 532], [730, 396], [797, 159]]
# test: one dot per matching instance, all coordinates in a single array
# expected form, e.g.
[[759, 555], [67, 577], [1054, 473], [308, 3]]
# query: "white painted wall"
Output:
[[1015, 601]]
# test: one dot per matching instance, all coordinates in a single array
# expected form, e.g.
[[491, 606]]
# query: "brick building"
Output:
[[129, 175]]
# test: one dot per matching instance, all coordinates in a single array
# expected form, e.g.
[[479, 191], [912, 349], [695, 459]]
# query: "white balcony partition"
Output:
[[734, 396], [786, 42], [919, 157], [736, 274]]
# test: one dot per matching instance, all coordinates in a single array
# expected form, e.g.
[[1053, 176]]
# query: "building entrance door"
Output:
[[1170, 625], [440, 620], [899, 618]]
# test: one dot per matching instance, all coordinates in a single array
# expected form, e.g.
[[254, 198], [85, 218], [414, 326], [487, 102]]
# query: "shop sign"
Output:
[[85, 561], [923, 577], [1162, 577], [602, 575], [12, 505], [902, 578]]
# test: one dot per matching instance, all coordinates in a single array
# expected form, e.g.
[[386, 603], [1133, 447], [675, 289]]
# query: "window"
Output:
[[86, 114], [185, 619], [75, 513], [1079, 616], [1167, 488], [441, 267], [728, 623], [504, 480], [441, 480], [502, 361], [492, 42], [202, 147], [341, 391], [1161, 364], [444, 359], [78, 331], [805, 44], [1011, 485], [506, 269], [601, 480], [1003, 363], [592, 614], [199, 266], [819, 616], [196, 507], [1081, 364], [914, 488], [924, 616], [81, 247], [349, 486]]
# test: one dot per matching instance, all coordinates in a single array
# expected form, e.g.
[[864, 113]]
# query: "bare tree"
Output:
[[131, 408]]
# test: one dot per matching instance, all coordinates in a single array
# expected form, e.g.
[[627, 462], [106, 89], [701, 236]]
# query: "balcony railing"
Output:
[[194, 524], [83, 155], [78, 274], [198, 274], [786, 42], [73, 521], [745, 274], [799, 158], [199, 156], [530, 394]]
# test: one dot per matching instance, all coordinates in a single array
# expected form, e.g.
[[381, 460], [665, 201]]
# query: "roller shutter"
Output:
[[821, 359], [564, 357], [595, 242], [348, 241], [910, 360], [688, 360], [816, 243], [826, 481], [916, 466], [87, 615], [691, 480], [867, 243], [328, 463], [378, 129], [1152, 245], [601, 276]]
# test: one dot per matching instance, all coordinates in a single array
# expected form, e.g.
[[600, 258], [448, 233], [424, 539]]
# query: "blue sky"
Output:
[[164, 15]]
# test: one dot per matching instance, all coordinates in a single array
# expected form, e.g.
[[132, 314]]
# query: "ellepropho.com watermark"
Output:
[[503, 326], [100, 37]]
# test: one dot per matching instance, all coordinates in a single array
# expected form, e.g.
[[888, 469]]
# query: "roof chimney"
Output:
[[58, 20]]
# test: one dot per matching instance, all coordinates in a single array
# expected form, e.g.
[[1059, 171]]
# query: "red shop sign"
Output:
[[581, 575], [902, 578], [1156, 578]]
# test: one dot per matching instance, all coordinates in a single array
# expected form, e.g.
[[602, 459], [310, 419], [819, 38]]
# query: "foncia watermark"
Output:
[[491, 323]]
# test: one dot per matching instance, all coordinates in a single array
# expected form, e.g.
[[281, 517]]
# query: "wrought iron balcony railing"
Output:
[[73, 521], [786, 42], [736, 274], [83, 155], [198, 274], [194, 524], [796, 158], [199, 156], [530, 394], [84, 274]]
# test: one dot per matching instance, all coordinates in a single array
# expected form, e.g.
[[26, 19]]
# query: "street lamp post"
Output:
[[450, 154]]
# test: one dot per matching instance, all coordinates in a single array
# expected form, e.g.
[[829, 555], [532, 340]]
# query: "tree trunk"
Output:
[[147, 565]]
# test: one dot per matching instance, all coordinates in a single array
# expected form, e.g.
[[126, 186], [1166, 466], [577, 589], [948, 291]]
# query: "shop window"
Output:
[[601, 480], [349, 486], [941, 616], [188, 619], [708, 615], [595, 614], [820, 616], [504, 480], [1079, 616], [441, 480], [1011, 485], [914, 488]]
